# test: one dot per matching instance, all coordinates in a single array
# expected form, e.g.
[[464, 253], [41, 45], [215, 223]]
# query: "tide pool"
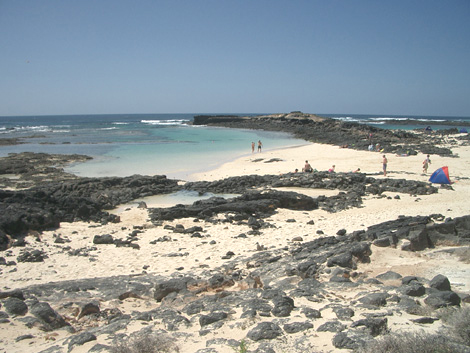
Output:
[[183, 197]]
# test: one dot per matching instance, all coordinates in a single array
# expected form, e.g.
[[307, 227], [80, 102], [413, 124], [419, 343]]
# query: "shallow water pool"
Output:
[[183, 197]]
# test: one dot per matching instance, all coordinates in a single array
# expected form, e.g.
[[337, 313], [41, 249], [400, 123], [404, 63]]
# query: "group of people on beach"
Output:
[[260, 145], [308, 168], [376, 148]]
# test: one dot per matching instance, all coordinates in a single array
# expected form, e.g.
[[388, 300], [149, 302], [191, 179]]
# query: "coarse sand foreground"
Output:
[[200, 256]]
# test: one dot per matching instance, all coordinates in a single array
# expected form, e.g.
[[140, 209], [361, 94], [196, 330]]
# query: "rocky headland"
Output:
[[317, 129]]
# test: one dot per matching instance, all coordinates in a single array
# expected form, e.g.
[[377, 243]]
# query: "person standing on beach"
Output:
[[384, 165], [259, 145], [252, 147], [426, 164]]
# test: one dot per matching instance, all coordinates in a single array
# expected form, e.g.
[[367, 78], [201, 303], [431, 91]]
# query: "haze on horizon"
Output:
[[165, 56]]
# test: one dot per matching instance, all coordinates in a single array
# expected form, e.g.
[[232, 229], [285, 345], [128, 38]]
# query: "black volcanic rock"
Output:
[[246, 205], [334, 132], [46, 205], [48, 316], [205, 320], [265, 331], [32, 256], [441, 299], [440, 282], [284, 275], [15, 306], [103, 239], [171, 286]]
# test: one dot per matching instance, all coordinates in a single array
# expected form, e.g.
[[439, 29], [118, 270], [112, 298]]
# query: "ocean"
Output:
[[150, 144], [146, 144], [405, 122]]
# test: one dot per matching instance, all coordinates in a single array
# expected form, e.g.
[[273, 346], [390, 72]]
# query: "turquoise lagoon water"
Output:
[[186, 150], [146, 144]]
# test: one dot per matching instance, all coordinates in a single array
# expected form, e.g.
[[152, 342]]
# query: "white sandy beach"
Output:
[[200, 256]]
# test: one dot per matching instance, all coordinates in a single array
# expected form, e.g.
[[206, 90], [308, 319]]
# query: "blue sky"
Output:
[[403, 57]]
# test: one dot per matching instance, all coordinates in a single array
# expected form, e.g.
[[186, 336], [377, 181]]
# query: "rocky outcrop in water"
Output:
[[334, 132], [29, 169]]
